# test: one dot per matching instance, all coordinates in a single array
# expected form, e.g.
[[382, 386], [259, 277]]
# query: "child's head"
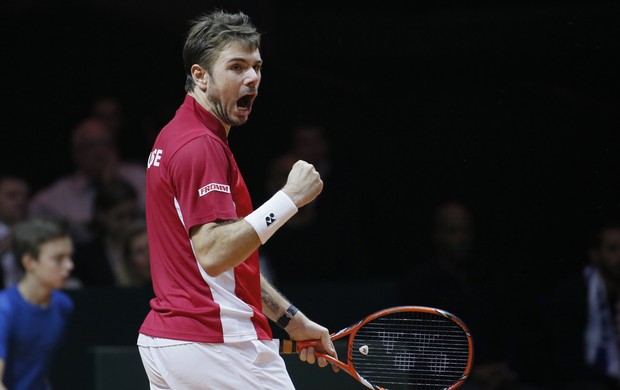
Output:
[[44, 249]]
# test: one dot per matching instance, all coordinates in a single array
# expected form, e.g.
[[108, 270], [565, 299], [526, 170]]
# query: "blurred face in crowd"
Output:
[[108, 110], [53, 266], [14, 198], [119, 218], [310, 144], [607, 255], [139, 255], [278, 172], [454, 233], [93, 146]]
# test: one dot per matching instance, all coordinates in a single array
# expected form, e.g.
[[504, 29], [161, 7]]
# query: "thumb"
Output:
[[330, 349], [328, 344]]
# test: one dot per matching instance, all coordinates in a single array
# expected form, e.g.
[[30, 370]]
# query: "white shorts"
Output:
[[246, 365]]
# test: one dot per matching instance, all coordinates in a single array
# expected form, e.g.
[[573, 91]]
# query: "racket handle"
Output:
[[290, 346]]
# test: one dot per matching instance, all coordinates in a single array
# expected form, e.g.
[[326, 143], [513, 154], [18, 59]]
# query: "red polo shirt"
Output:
[[193, 179]]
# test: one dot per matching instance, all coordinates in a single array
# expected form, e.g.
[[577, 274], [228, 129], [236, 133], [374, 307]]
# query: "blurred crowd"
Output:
[[102, 201], [566, 338]]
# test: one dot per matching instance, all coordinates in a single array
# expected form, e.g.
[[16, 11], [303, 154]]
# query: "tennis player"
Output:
[[208, 325]]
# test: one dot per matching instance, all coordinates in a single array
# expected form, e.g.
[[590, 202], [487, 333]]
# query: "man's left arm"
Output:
[[299, 327]]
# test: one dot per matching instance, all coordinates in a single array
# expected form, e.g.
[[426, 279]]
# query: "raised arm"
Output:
[[224, 245]]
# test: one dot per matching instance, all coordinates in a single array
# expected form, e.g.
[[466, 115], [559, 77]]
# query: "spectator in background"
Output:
[[453, 277], [100, 260], [130, 140], [96, 161], [108, 109], [34, 312], [155, 117], [325, 231], [136, 255], [309, 141], [277, 175], [581, 320], [14, 198]]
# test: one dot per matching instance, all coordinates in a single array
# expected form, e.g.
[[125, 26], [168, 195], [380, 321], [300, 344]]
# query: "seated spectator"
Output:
[[108, 109], [136, 255], [14, 198], [130, 141], [70, 198], [277, 174], [324, 236], [580, 320], [99, 261], [35, 311], [453, 277]]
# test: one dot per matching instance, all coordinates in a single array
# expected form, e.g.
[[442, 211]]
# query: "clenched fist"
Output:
[[303, 184]]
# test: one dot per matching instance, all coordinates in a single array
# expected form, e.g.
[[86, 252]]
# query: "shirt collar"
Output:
[[207, 118]]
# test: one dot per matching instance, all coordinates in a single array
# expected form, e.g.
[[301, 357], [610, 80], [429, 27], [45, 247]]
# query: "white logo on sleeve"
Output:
[[213, 187], [154, 158]]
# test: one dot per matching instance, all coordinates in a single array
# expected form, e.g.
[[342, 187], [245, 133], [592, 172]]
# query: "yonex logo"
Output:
[[269, 219], [213, 187]]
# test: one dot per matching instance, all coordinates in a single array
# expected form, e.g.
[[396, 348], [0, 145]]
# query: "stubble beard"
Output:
[[219, 109]]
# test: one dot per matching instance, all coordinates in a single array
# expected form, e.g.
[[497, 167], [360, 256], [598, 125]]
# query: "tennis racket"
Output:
[[403, 347]]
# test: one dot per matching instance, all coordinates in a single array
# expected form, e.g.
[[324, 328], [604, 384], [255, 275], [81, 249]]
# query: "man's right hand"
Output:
[[303, 184]]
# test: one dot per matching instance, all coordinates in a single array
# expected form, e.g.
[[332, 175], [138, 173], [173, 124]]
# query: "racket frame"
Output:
[[290, 346]]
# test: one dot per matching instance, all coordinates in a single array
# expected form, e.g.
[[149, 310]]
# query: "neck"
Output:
[[201, 97], [33, 292]]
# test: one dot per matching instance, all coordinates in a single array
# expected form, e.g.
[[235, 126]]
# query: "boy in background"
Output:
[[34, 312]]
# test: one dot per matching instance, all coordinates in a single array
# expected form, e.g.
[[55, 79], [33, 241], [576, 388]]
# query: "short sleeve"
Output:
[[200, 176]]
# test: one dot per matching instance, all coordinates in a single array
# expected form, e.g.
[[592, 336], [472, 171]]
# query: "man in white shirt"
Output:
[[97, 161]]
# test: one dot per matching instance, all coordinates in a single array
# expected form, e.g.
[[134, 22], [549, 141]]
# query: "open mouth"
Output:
[[245, 103]]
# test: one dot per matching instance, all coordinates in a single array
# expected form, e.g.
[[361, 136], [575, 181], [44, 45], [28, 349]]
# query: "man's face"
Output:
[[119, 218], [54, 264], [14, 198], [233, 84], [607, 255], [454, 233], [94, 151]]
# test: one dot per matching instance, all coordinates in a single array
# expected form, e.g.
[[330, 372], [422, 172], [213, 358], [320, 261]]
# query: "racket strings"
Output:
[[411, 350]]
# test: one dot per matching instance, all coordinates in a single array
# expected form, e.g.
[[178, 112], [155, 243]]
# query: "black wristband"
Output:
[[287, 316]]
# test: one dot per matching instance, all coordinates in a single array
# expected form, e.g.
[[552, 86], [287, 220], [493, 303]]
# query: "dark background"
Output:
[[511, 106]]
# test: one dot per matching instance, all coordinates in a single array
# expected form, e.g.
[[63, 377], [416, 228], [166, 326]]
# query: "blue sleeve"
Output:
[[5, 324]]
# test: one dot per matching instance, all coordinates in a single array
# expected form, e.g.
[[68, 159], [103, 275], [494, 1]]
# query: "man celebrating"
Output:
[[208, 325]]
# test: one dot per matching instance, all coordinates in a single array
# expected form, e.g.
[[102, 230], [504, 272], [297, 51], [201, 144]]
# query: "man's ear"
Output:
[[28, 261], [200, 76]]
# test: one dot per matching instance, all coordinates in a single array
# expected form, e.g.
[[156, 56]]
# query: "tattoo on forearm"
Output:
[[227, 221], [269, 301]]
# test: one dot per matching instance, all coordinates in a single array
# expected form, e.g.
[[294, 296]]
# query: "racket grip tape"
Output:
[[287, 346], [290, 346]]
